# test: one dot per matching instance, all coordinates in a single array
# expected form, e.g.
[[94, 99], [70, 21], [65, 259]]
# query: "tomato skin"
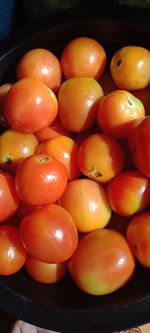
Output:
[[100, 157], [65, 150], [78, 100], [117, 113], [129, 193], [83, 57], [87, 203], [49, 234], [138, 234], [130, 67], [9, 198], [43, 174], [139, 141], [29, 110], [44, 272], [41, 64], [4, 88], [102, 262], [13, 254], [14, 147]]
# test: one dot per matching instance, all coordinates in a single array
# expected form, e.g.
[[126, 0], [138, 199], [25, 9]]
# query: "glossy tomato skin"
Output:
[[9, 198], [102, 262], [49, 234], [40, 179], [117, 113], [41, 64], [130, 67], [139, 142], [129, 193], [14, 147], [44, 272], [65, 150], [30, 105], [78, 101], [100, 157], [83, 57], [13, 254], [87, 203], [138, 234]]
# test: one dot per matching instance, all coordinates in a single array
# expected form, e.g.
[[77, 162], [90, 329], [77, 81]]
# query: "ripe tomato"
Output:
[[40, 179], [102, 262], [9, 200], [44, 272], [117, 113], [130, 67], [65, 150], [14, 147], [129, 193], [83, 57], [78, 101], [41, 64], [100, 157], [49, 234], [13, 254], [87, 203], [138, 235], [29, 110], [139, 143], [3, 92]]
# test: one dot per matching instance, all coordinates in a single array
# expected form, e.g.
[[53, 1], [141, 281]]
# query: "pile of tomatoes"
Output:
[[75, 166]]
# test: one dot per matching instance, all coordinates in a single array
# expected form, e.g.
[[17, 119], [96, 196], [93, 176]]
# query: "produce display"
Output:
[[75, 166]]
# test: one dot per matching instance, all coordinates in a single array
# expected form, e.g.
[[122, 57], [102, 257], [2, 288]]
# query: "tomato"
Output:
[[9, 200], [87, 203], [40, 179], [138, 234], [44, 272], [65, 150], [130, 67], [12, 254], [83, 57], [54, 129], [117, 113], [129, 193], [78, 101], [49, 234], [14, 147], [29, 110], [144, 96], [100, 157], [41, 64], [4, 88], [102, 262], [24, 209], [139, 142]]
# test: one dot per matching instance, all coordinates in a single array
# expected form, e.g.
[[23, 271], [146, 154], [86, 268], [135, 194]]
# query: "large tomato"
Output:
[[30, 105]]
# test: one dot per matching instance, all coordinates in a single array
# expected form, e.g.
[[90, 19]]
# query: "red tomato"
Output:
[[83, 57], [65, 150], [139, 143], [87, 203], [44, 272], [130, 67], [117, 113], [3, 92], [78, 101], [14, 147], [102, 262], [129, 193], [29, 110], [13, 254], [41, 64], [100, 157], [9, 200], [40, 179], [138, 235], [49, 234]]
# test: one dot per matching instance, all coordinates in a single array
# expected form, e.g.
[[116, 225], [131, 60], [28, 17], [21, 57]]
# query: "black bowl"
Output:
[[62, 306]]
